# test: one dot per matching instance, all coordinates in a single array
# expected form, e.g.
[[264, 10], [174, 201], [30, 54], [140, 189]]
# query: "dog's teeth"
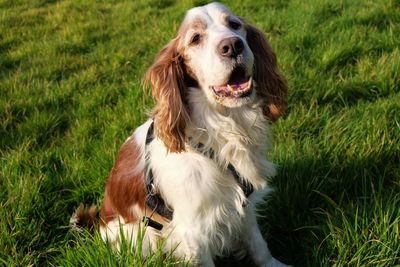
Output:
[[249, 83], [230, 88]]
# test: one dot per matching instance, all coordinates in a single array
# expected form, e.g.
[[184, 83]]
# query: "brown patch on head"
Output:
[[125, 185], [271, 84], [193, 24], [226, 18], [198, 25], [192, 33]]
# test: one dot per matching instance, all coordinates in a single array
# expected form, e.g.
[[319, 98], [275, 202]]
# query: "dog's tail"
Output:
[[84, 217]]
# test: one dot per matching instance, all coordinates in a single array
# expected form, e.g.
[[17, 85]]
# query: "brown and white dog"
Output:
[[216, 84]]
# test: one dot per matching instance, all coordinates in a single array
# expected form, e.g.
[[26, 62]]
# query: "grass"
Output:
[[70, 93]]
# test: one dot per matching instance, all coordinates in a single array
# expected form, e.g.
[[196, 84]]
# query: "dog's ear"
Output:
[[167, 79], [270, 83]]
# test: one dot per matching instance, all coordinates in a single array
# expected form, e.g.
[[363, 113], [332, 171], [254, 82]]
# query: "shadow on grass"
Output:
[[293, 219]]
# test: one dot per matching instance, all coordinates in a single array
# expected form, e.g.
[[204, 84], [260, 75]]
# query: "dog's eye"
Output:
[[196, 38], [235, 24]]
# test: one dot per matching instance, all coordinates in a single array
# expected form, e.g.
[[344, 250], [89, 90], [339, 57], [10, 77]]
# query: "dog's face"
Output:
[[215, 51], [222, 55]]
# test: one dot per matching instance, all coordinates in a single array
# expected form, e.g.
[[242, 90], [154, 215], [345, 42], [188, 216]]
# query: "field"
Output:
[[71, 92]]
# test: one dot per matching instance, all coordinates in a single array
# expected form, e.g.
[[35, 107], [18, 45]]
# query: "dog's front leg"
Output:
[[256, 245]]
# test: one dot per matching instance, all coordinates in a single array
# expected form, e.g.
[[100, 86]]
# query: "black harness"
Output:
[[155, 202]]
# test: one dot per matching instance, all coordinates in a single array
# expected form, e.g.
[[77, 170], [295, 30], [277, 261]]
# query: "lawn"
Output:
[[71, 92]]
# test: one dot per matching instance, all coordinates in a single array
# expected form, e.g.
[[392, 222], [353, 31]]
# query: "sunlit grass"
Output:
[[70, 94]]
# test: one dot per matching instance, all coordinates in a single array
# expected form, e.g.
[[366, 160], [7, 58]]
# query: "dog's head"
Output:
[[222, 55]]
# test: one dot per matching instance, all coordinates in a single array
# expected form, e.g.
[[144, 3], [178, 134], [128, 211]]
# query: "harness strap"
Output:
[[155, 202], [246, 187]]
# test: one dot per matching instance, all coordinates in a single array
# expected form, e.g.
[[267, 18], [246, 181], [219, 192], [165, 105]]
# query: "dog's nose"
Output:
[[230, 47]]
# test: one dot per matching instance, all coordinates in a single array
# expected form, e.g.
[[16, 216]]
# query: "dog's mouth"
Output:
[[239, 85]]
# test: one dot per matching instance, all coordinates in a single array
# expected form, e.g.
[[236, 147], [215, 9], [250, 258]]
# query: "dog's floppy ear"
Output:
[[270, 83], [166, 76]]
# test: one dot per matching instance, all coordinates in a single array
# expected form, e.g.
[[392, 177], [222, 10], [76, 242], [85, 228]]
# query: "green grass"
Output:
[[70, 94]]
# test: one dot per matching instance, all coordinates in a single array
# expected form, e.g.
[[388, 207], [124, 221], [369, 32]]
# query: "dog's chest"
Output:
[[195, 182]]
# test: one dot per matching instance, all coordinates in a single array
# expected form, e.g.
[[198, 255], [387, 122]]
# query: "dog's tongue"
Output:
[[232, 87], [240, 86]]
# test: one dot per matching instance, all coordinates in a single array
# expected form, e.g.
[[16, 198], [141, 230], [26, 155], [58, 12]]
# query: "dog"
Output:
[[196, 169]]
